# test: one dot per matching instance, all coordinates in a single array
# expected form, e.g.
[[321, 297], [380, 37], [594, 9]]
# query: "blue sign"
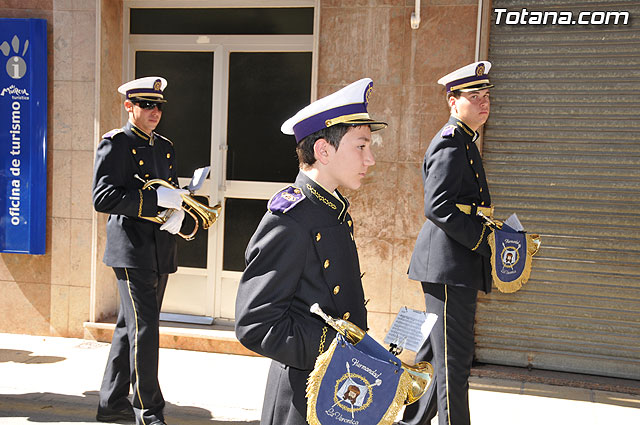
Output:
[[23, 135]]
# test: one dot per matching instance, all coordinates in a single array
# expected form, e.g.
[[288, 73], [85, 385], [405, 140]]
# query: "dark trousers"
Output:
[[449, 349], [133, 358], [284, 398]]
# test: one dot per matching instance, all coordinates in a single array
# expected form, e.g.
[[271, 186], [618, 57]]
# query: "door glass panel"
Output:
[[286, 20], [186, 121], [186, 117], [265, 89], [241, 219], [193, 253]]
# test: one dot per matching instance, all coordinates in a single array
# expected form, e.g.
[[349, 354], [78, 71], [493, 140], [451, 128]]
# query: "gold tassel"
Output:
[[314, 381], [404, 386]]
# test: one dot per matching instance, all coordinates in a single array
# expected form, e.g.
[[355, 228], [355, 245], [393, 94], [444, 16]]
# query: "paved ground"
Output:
[[56, 380]]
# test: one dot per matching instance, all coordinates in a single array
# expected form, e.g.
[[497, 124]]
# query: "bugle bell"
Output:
[[199, 211]]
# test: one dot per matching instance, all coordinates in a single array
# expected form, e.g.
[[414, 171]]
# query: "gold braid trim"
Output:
[[323, 338], [320, 197], [509, 287], [140, 206], [484, 230]]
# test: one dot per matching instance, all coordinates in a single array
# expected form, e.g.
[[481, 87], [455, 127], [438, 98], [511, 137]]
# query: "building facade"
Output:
[[219, 55]]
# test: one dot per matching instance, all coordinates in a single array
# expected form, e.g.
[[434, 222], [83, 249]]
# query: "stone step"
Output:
[[208, 339]]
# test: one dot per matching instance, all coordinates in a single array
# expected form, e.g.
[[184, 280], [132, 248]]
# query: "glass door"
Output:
[[234, 75]]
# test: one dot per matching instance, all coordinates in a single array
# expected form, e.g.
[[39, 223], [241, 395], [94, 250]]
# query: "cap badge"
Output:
[[367, 95], [480, 69], [157, 85]]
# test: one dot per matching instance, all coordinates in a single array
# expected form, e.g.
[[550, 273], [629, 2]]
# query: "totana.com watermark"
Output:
[[531, 17]]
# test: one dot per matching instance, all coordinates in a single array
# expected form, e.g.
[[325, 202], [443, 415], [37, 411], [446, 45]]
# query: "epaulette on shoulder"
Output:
[[448, 131], [161, 137], [285, 200], [111, 133]]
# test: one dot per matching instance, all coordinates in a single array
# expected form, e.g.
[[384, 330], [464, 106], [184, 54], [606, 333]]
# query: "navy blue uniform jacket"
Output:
[[452, 247], [302, 252], [131, 240]]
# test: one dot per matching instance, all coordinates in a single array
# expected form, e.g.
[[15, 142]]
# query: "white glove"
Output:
[[174, 222], [170, 198]]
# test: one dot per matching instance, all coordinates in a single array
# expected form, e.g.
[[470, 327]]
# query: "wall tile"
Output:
[[409, 201], [376, 257], [346, 31], [5, 273], [27, 268], [27, 4], [84, 46], [83, 111], [59, 325], [445, 2], [60, 189], [107, 297], [62, 4], [404, 292], [79, 301], [81, 180], [62, 115], [84, 5], [370, 204], [29, 305], [361, 3], [60, 251], [62, 46], [379, 325], [110, 66], [416, 134], [340, 34], [384, 45], [439, 47], [80, 255], [384, 105]]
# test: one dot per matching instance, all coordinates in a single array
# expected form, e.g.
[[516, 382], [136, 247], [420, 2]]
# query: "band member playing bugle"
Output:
[[142, 253]]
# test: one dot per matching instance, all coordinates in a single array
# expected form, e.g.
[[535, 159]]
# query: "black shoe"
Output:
[[158, 423], [109, 415]]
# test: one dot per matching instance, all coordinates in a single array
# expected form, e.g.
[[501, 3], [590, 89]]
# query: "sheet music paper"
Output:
[[514, 223], [410, 328], [198, 179]]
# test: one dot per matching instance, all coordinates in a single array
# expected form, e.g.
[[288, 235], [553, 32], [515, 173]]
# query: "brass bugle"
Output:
[[535, 240], [421, 373], [196, 209]]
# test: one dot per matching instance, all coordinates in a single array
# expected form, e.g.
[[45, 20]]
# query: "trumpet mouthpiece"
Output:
[[315, 309]]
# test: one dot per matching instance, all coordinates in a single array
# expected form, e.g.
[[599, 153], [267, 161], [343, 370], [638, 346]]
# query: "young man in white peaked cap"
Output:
[[303, 251], [451, 254]]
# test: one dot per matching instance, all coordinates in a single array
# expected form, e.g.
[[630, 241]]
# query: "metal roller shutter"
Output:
[[562, 150]]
